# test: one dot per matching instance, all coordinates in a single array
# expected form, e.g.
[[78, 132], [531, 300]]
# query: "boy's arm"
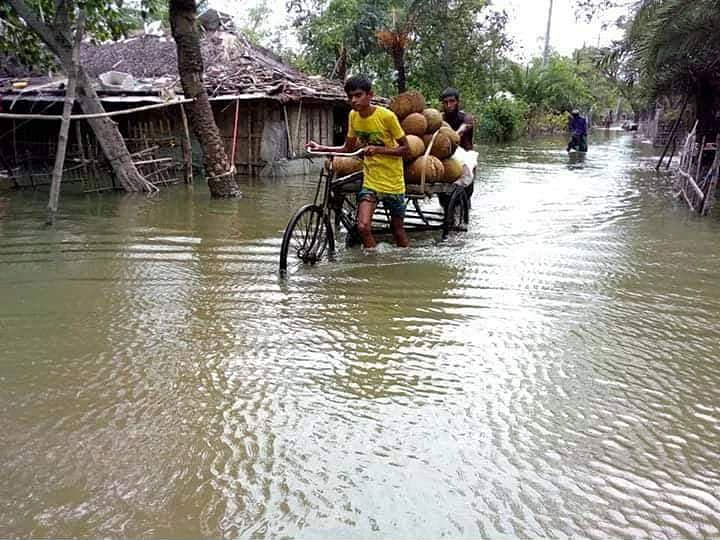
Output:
[[400, 150], [350, 141], [349, 146]]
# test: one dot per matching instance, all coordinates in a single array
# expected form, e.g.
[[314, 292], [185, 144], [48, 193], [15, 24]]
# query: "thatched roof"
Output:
[[232, 66]]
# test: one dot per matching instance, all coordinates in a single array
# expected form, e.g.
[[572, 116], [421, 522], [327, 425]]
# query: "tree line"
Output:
[[669, 48]]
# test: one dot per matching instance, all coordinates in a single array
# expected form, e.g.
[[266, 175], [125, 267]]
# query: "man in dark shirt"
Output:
[[578, 131], [460, 121]]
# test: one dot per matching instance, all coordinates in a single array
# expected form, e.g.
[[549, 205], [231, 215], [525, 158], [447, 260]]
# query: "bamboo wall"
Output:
[[305, 122], [264, 128]]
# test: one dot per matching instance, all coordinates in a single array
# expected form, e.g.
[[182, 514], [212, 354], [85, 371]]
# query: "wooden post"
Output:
[[81, 151], [65, 125], [699, 161], [14, 134], [235, 130], [250, 148], [186, 146], [672, 154], [300, 143], [672, 134], [714, 172], [291, 150], [28, 156], [330, 127]]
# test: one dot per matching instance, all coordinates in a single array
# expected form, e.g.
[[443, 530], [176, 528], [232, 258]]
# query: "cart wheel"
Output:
[[307, 238], [456, 213]]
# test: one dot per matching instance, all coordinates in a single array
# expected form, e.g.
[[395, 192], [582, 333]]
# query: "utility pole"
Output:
[[546, 54]]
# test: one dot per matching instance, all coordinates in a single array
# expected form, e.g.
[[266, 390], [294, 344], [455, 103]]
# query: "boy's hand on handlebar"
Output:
[[372, 150], [312, 145]]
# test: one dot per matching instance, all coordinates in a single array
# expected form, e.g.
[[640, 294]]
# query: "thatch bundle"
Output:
[[407, 103], [343, 165], [416, 147], [414, 124], [434, 120], [453, 170], [434, 171]]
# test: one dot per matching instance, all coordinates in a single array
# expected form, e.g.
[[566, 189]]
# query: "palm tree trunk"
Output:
[[398, 55], [546, 51], [219, 171]]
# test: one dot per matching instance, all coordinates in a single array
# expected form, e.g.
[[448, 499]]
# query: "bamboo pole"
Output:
[[715, 172], [65, 125], [235, 131], [298, 141], [187, 146], [14, 134], [672, 153], [672, 134], [81, 148], [699, 160], [291, 148], [250, 148], [96, 115]]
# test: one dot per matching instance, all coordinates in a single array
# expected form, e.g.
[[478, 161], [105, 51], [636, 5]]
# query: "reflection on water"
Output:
[[576, 160], [551, 373]]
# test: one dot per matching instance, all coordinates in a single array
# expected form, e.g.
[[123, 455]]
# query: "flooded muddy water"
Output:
[[553, 372]]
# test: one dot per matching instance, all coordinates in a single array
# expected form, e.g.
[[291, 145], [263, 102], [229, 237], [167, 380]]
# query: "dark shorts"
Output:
[[393, 202], [578, 142]]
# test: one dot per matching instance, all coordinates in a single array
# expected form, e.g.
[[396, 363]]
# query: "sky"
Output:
[[526, 24]]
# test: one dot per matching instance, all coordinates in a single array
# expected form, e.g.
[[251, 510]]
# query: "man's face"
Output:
[[450, 104], [360, 99]]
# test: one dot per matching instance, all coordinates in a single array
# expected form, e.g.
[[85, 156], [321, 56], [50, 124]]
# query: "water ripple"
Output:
[[551, 373]]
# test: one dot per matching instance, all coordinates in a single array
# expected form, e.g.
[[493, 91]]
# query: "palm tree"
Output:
[[397, 37], [675, 45], [218, 169]]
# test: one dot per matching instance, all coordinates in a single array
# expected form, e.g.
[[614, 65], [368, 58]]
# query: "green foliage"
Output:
[[105, 19], [547, 123], [670, 47], [559, 86], [323, 30], [256, 24], [674, 43], [457, 43], [501, 119]]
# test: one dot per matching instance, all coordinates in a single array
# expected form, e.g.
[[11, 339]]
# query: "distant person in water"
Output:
[[578, 131]]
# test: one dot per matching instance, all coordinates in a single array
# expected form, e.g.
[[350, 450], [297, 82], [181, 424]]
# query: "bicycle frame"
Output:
[[323, 199]]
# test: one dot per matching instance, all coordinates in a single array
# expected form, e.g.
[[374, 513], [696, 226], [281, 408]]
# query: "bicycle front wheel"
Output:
[[308, 237]]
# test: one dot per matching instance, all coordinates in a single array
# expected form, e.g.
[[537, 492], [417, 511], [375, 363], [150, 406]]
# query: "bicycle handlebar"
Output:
[[341, 154]]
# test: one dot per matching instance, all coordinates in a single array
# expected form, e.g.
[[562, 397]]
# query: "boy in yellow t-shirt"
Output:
[[378, 130]]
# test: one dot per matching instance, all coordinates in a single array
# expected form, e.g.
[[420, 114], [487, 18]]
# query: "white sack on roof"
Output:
[[117, 80]]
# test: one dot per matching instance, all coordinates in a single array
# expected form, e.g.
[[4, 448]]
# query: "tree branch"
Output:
[[61, 50]]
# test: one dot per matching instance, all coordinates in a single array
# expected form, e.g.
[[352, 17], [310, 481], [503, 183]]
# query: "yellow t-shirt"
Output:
[[380, 173]]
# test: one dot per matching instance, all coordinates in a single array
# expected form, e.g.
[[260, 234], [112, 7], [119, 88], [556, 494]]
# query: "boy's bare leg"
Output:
[[397, 225], [365, 212]]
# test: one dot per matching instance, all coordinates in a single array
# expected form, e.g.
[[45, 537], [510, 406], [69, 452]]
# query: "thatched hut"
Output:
[[266, 110]]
